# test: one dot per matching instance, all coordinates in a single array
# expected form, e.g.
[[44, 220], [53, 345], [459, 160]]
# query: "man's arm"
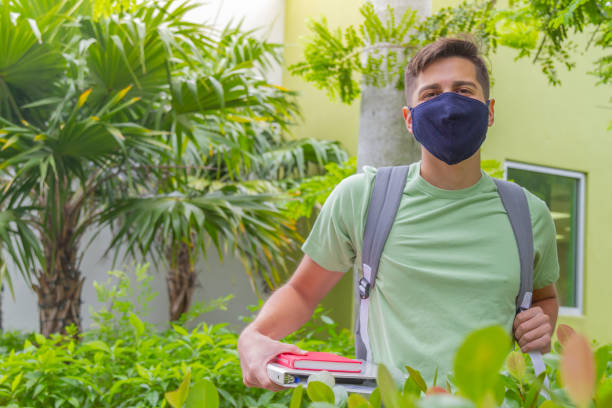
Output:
[[534, 327], [284, 312]]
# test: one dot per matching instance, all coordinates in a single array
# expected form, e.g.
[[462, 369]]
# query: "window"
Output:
[[563, 192]]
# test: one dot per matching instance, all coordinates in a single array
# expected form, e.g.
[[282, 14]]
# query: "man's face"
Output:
[[452, 74]]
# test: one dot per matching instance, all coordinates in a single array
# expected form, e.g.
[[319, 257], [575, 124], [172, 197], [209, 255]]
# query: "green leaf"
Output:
[[16, 381], [415, 375], [551, 404], [137, 324], [411, 388], [390, 395], [178, 397], [296, 397], [604, 394], [375, 399], [203, 394], [516, 365], [534, 390], [318, 391], [96, 345], [357, 401], [479, 360], [602, 357]]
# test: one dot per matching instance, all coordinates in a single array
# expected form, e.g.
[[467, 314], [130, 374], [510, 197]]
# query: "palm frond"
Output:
[[231, 219]]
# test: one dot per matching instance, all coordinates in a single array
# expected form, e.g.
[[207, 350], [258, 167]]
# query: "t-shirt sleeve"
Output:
[[331, 242], [546, 262]]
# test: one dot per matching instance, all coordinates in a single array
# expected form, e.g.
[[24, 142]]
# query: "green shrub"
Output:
[[486, 376], [126, 362]]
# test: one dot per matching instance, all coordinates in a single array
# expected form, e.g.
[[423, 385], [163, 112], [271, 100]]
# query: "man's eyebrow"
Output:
[[459, 83], [426, 87]]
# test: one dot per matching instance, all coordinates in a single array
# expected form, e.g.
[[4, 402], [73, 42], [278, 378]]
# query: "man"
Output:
[[450, 264]]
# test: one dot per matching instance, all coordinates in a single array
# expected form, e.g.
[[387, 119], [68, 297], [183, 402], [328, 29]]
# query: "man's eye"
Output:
[[464, 91], [428, 95]]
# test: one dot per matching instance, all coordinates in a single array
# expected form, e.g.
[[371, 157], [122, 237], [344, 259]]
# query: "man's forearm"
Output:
[[282, 314]]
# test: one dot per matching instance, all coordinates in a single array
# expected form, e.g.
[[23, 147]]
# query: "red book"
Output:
[[319, 361]]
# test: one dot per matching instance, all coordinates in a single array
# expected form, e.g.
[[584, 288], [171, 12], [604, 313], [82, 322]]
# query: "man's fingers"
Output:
[[535, 334], [526, 315], [292, 348], [541, 344], [529, 325]]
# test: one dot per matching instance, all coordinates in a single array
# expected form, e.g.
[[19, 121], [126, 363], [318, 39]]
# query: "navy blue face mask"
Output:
[[450, 126]]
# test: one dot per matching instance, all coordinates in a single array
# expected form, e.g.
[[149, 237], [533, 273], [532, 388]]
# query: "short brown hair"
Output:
[[444, 48]]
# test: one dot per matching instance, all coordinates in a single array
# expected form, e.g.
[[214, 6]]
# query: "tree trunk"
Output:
[[59, 301], [181, 281], [383, 137], [60, 283]]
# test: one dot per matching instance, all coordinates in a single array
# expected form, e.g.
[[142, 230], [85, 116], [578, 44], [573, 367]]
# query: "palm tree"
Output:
[[96, 112], [223, 188]]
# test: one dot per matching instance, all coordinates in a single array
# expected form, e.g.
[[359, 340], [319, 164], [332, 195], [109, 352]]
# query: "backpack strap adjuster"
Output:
[[364, 288]]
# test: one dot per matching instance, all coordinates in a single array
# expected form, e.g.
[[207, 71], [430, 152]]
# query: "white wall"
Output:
[[215, 279], [266, 16]]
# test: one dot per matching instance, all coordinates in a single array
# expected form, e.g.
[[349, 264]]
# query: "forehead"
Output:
[[445, 71]]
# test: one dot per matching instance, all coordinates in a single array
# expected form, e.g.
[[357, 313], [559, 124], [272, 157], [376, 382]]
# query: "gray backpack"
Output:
[[384, 202]]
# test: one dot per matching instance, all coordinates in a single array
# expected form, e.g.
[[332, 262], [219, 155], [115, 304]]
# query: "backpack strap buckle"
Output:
[[364, 288]]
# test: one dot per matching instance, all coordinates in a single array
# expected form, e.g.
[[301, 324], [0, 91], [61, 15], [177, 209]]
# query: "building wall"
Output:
[[323, 118], [562, 127], [536, 123]]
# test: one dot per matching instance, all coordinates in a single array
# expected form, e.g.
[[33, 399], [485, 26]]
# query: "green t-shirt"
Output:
[[450, 265]]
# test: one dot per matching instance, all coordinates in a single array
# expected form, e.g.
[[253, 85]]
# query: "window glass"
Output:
[[561, 195]]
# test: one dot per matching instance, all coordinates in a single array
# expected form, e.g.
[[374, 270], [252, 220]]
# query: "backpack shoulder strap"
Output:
[[383, 205], [515, 203]]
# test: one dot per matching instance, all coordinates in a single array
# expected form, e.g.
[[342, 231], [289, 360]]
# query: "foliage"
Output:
[[308, 197], [556, 22], [125, 114], [379, 49], [125, 362], [485, 376], [312, 193]]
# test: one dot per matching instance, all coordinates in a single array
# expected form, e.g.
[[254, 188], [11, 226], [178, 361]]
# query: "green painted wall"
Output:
[[562, 127], [323, 118]]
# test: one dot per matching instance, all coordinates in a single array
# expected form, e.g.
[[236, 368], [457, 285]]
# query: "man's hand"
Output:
[[256, 351], [533, 330], [284, 312]]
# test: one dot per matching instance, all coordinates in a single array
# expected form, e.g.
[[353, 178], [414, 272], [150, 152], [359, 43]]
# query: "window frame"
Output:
[[581, 192]]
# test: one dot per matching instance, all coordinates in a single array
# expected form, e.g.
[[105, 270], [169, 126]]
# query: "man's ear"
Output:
[[407, 118], [491, 111]]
